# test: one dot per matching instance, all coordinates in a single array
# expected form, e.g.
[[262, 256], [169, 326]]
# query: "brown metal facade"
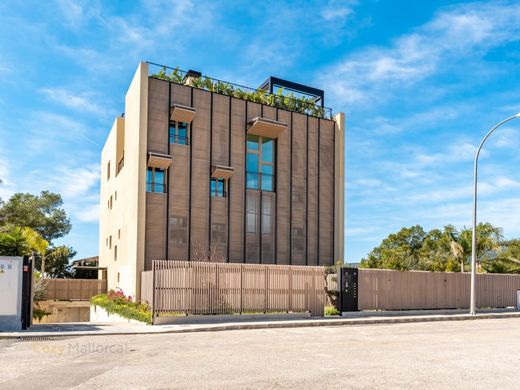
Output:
[[187, 220]]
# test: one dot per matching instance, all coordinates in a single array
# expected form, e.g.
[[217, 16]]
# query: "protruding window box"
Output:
[[180, 113], [158, 160], [266, 127], [222, 172]]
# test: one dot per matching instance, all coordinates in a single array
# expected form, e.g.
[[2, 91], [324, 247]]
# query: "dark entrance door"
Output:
[[27, 297], [349, 289]]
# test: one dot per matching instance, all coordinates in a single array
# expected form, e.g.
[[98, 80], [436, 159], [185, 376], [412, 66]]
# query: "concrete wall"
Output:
[[125, 221], [11, 293]]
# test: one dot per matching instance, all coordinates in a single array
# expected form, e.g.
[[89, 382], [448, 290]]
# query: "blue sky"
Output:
[[420, 83]]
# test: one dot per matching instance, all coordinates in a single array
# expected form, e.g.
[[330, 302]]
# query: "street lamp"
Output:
[[472, 307]]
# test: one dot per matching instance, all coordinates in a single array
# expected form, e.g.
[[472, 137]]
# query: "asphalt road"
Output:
[[467, 354]]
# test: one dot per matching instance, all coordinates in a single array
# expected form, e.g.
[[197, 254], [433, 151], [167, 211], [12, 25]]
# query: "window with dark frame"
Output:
[[155, 180], [179, 132], [260, 163], [217, 187]]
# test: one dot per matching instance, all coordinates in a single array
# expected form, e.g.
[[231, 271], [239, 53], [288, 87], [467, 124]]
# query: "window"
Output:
[[118, 277], [108, 171], [217, 187], [110, 242], [110, 203], [251, 214], [115, 195], [179, 133], [266, 215], [260, 163], [218, 233], [115, 252], [119, 234], [155, 180], [178, 231]]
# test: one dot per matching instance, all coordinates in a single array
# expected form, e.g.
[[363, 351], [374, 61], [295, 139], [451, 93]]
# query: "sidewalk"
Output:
[[46, 331]]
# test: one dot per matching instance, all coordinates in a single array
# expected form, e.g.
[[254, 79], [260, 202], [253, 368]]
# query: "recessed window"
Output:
[[179, 229], [218, 187], [155, 180], [115, 252], [266, 215], [179, 132], [110, 242], [110, 203], [108, 171], [118, 277], [260, 163], [119, 234], [115, 195]]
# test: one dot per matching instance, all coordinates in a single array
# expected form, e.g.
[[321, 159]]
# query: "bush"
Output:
[[118, 303], [331, 311]]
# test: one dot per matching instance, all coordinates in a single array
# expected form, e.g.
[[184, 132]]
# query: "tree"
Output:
[[56, 262], [506, 261], [13, 242], [437, 250], [399, 251], [42, 213]]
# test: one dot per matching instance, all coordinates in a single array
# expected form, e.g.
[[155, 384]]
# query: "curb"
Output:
[[266, 325]]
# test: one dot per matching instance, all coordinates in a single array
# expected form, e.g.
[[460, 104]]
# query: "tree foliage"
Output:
[[42, 213], [412, 248]]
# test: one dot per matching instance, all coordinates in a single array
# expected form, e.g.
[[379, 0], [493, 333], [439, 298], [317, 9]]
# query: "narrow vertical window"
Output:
[[218, 187], [251, 214], [260, 163], [155, 180], [115, 252], [108, 171], [179, 132]]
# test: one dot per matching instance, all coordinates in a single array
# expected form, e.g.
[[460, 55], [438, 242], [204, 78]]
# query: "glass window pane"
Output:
[[251, 223], [159, 180], [252, 181], [252, 142], [266, 223], [220, 188], [149, 180], [268, 169], [267, 183], [212, 188], [267, 150], [252, 162]]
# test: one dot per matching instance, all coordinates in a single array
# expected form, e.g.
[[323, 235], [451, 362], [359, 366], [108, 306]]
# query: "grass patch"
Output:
[[115, 302]]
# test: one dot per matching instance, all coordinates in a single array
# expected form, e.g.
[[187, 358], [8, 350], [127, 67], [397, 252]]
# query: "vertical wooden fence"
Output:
[[396, 290], [187, 287], [74, 289]]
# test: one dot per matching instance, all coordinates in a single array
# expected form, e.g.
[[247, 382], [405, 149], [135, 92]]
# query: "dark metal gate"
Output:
[[27, 294], [348, 281]]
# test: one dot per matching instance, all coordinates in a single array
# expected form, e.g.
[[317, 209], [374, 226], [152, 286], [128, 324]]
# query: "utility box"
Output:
[[518, 300], [348, 291], [15, 293]]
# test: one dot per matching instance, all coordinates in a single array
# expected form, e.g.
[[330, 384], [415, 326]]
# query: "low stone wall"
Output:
[[100, 315], [64, 311]]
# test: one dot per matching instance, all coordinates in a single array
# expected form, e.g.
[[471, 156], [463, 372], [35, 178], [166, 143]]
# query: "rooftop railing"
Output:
[[280, 100]]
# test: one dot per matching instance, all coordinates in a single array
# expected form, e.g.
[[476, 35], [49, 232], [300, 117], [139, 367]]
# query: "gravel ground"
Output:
[[466, 354]]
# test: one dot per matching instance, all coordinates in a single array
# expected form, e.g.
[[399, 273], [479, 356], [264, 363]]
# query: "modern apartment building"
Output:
[[201, 169]]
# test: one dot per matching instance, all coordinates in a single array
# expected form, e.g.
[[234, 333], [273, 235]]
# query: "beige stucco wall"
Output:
[[339, 217], [127, 215]]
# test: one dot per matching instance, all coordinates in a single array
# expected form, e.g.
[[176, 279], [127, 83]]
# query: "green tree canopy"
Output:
[[42, 213], [437, 250]]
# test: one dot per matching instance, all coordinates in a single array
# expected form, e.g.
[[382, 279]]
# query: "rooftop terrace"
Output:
[[296, 100]]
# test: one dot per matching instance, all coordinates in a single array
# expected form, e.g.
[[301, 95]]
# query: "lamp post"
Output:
[[472, 307]]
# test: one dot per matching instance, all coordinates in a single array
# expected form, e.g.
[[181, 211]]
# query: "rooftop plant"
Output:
[[288, 101]]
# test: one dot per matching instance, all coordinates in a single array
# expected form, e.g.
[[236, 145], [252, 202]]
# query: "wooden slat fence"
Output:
[[187, 287], [74, 289], [396, 290]]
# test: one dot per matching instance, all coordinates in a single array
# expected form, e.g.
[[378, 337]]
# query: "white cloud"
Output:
[[81, 102], [89, 214], [434, 47]]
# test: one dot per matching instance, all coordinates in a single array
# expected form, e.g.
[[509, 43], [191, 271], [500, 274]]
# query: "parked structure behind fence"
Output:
[[397, 290], [73, 289], [187, 287]]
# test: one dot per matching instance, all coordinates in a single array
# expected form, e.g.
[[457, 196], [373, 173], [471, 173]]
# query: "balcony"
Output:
[[290, 101]]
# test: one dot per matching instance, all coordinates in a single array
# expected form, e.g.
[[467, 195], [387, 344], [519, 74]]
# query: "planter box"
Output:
[[100, 315]]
